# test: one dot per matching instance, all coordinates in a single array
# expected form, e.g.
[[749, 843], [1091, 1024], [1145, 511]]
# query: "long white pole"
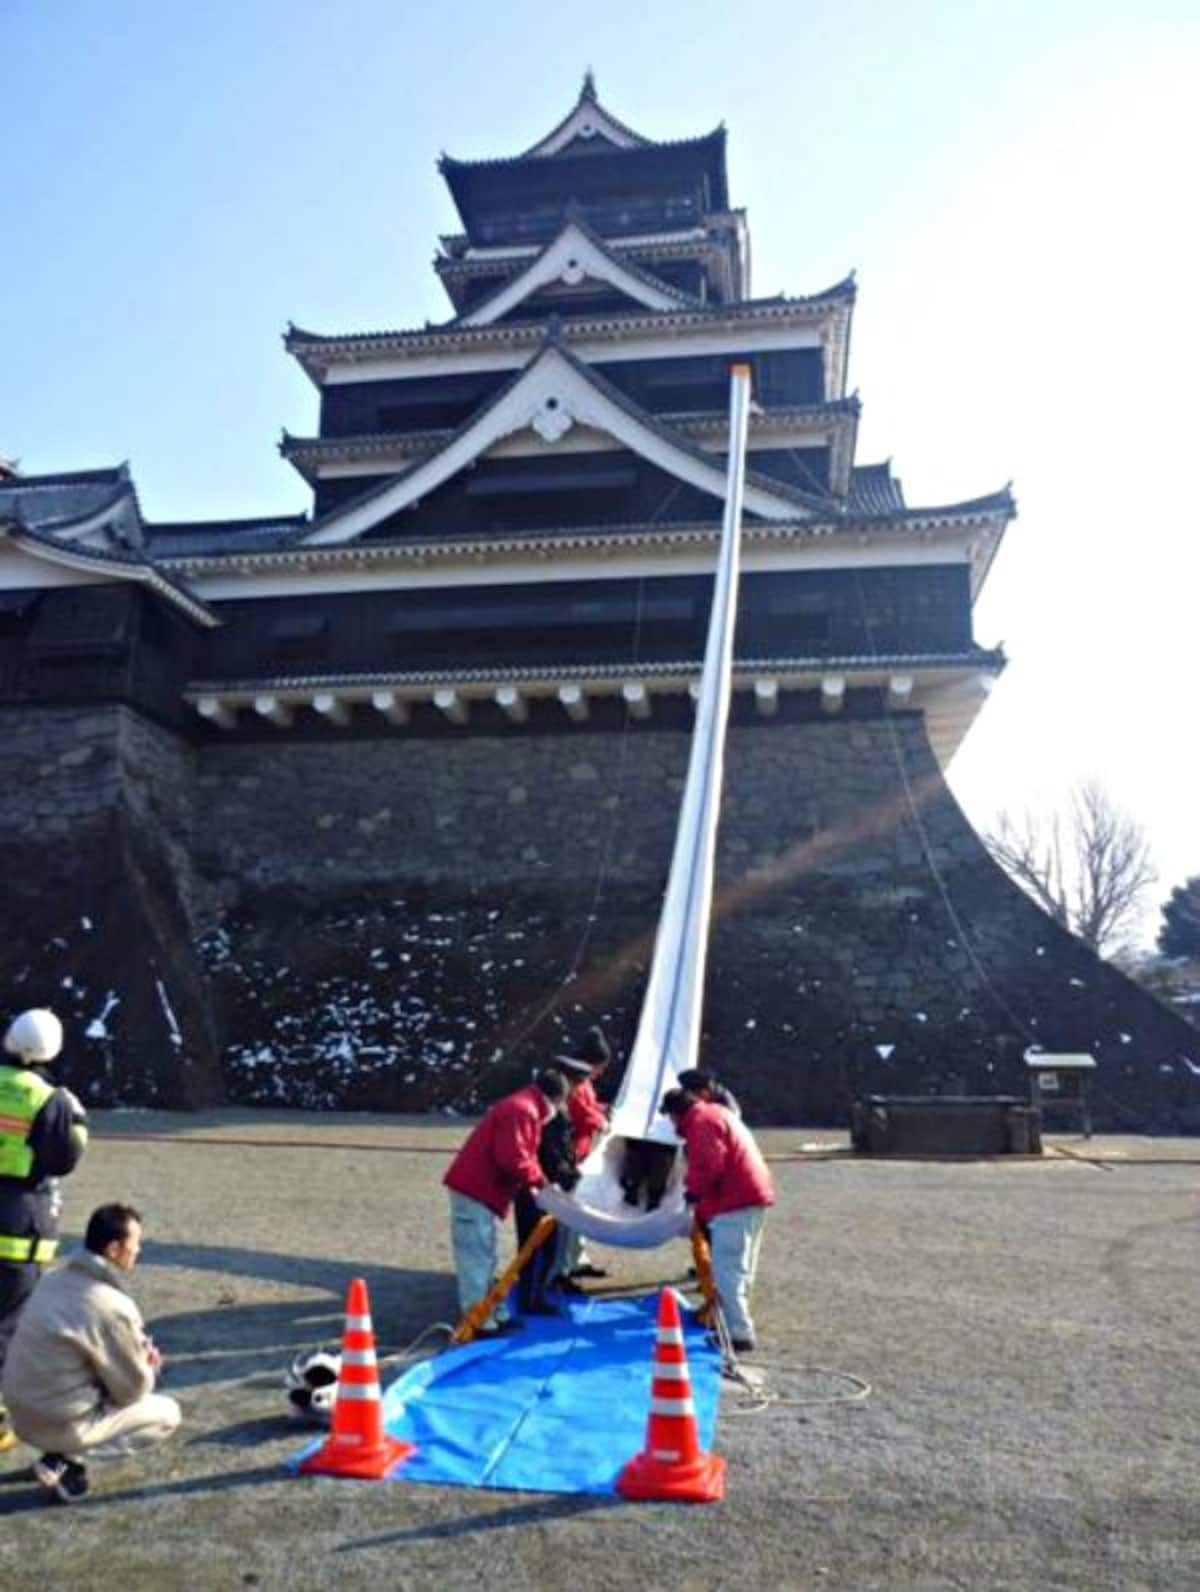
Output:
[[668, 1034]]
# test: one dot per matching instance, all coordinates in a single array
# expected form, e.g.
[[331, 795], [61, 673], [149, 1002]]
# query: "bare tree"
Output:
[[1089, 868]]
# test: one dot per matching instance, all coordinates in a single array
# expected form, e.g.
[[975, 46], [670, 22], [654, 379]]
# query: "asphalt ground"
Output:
[[1030, 1330]]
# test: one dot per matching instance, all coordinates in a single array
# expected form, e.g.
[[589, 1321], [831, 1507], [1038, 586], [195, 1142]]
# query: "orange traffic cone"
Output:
[[672, 1465], [357, 1446]]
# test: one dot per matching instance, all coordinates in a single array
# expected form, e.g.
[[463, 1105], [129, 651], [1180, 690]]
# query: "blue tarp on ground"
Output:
[[558, 1407]]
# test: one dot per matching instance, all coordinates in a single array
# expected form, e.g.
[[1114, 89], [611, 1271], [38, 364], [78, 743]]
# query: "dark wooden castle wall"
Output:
[[819, 614], [687, 383]]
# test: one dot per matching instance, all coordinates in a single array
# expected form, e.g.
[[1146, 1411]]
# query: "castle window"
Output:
[[298, 637]]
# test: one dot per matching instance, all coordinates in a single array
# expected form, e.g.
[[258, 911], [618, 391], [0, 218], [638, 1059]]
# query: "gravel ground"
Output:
[[1029, 1329]]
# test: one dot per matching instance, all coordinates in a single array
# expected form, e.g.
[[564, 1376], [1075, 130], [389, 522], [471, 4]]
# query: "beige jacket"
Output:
[[79, 1349]]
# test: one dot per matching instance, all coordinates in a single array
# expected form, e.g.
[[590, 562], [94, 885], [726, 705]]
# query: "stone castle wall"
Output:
[[409, 924], [95, 838]]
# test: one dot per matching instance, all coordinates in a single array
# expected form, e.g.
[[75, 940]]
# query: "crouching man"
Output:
[[80, 1374], [729, 1189], [498, 1162]]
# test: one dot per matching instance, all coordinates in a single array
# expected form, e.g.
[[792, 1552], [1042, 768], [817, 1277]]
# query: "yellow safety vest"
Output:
[[22, 1095]]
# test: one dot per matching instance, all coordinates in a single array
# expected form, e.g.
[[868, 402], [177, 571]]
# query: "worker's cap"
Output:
[[35, 1036], [573, 1066], [552, 1084], [675, 1102], [593, 1048], [697, 1078]]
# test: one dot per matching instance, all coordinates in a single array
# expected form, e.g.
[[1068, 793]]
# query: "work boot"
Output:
[[72, 1485]]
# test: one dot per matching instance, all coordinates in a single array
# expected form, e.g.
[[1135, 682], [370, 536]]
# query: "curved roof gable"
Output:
[[551, 395], [586, 120], [108, 566], [574, 256]]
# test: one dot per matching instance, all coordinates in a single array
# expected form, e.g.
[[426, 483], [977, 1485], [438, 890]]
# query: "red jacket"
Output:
[[500, 1158], [725, 1168], [587, 1116]]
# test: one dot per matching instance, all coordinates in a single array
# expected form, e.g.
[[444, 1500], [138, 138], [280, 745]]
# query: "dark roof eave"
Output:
[[633, 534], [299, 341], [715, 139], [992, 659]]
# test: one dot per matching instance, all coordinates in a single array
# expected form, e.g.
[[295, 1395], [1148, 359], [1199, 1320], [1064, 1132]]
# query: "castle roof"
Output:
[[308, 453], [575, 254], [587, 119], [874, 490], [108, 564], [66, 499], [983, 517], [316, 351], [175, 538], [551, 394]]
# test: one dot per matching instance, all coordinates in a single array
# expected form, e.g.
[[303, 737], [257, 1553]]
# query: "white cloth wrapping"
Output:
[[596, 1207], [668, 1035]]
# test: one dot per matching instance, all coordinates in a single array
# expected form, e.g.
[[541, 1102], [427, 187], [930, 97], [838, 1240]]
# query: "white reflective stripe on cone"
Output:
[[668, 1371], [672, 1407], [368, 1392], [358, 1357], [671, 1335], [358, 1324], [672, 1454]]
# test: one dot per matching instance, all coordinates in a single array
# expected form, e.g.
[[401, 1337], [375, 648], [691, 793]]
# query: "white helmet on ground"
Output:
[[311, 1384], [35, 1036]]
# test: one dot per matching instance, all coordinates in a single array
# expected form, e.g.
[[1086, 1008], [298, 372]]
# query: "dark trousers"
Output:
[[646, 1164], [531, 1284], [16, 1285]]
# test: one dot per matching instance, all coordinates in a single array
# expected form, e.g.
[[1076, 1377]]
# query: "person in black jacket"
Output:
[[43, 1133], [556, 1153]]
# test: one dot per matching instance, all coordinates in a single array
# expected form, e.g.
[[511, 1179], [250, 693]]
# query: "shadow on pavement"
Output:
[[235, 1340], [14, 1503], [538, 1513]]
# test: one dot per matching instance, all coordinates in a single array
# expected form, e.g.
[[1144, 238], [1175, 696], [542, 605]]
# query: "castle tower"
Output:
[[416, 756]]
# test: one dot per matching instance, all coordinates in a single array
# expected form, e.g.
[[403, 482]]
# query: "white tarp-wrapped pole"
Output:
[[668, 1034]]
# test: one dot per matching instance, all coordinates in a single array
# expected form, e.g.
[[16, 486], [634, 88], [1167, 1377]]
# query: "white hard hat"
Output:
[[34, 1036]]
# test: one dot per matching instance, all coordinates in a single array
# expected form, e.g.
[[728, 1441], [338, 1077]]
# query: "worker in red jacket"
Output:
[[584, 1067], [729, 1188], [498, 1162]]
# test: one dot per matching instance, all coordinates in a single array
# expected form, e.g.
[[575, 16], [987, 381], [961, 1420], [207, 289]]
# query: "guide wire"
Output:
[[927, 851], [552, 1001]]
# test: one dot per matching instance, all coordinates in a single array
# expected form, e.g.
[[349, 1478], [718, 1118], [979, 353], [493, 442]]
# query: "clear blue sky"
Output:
[[1014, 182]]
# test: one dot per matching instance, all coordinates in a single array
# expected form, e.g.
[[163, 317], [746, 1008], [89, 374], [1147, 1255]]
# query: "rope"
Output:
[[754, 1383], [409, 1352], [760, 1397]]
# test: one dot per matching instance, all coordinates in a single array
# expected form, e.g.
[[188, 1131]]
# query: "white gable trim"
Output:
[[551, 396], [572, 258], [57, 565], [588, 120]]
